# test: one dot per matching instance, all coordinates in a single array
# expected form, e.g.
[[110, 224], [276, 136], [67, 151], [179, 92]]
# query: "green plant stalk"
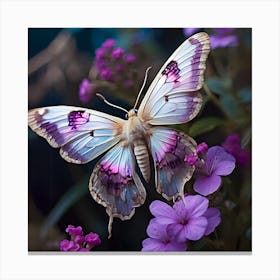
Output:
[[216, 101]]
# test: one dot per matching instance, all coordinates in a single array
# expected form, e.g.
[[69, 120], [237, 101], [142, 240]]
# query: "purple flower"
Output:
[[217, 163], [129, 58], [223, 37], [113, 64], [117, 53], [185, 220], [79, 242], [109, 43], [100, 53], [213, 216], [188, 219], [85, 91], [74, 231], [190, 31], [66, 245], [106, 74], [120, 67], [232, 145], [159, 240], [92, 239]]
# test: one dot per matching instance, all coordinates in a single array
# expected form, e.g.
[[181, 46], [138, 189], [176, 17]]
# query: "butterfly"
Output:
[[141, 142]]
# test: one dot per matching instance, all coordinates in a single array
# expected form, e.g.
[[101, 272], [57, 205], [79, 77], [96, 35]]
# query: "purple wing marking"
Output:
[[171, 72], [115, 185], [169, 148], [77, 118]]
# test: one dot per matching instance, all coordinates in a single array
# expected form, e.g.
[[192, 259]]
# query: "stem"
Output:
[[216, 101]]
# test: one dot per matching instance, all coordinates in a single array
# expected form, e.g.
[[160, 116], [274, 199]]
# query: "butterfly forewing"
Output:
[[173, 96], [81, 133]]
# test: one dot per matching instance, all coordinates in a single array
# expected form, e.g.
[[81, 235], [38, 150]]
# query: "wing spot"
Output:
[[77, 118], [166, 98], [171, 72]]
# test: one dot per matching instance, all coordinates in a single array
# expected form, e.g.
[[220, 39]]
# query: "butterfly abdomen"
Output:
[[142, 158]]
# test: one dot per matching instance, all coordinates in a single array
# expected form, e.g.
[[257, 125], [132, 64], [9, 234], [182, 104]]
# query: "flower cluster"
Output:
[[78, 241], [112, 63], [232, 145], [190, 219], [221, 37], [210, 164]]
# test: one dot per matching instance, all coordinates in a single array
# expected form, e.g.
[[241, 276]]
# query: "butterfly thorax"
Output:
[[135, 134]]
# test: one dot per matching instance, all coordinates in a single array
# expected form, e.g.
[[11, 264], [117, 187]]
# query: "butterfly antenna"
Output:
[[145, 80], [110, 104]]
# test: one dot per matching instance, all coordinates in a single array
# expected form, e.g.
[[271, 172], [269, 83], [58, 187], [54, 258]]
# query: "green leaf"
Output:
[[204, 125], [217, 86], [230, 105], [66, 201], [245, 95]]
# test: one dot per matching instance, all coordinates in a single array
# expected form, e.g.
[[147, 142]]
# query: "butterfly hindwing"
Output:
[[169, 149], [81, 133], [173, 96], [115, 184]]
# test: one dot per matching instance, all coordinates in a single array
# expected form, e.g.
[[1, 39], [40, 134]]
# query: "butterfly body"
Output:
[[135, 135], [142, 140]]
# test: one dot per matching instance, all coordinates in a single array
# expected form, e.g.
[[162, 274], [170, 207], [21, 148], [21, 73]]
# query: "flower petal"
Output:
[[196, 205], [156, 230], [195, 228], [176, 247], [152, 245], [155, 245], [224, 167], [206, 185], [213, 216], [163, 212], [175, 232], [217, 41]]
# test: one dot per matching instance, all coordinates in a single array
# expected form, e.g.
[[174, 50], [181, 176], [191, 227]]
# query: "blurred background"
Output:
[[67, 66]]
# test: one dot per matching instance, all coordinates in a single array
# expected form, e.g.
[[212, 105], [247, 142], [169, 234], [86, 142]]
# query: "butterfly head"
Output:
[[131, 113]]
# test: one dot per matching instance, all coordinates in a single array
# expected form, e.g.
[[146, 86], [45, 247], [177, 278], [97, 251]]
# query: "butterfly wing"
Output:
[[115, 184], [173, 96], [169, 148], [81, 133]]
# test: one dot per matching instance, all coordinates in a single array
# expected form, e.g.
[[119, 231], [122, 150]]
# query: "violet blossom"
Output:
[[232, 145], [190, 219], [78, 241], [216, 162], [159, 240], [190, 31], [85, 91], [111, 60], [221, 37]]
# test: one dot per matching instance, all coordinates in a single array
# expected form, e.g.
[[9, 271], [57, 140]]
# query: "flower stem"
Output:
[[216, 101]]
